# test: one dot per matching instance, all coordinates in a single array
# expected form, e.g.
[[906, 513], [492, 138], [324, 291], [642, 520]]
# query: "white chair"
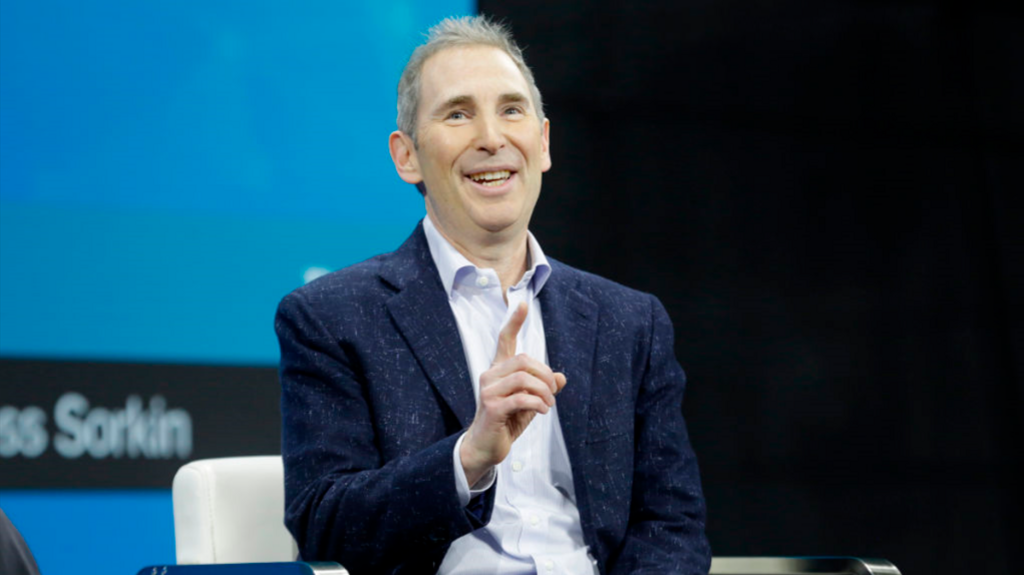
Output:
[[231, 511]]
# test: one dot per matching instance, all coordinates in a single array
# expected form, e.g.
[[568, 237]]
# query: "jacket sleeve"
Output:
[[343, 502], [667, 514]]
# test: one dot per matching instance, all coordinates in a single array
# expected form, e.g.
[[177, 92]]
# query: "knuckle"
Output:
[[526, 381], [515, 380]]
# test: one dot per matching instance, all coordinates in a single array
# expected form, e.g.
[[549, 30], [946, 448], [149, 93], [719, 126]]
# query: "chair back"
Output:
[[231, 510]]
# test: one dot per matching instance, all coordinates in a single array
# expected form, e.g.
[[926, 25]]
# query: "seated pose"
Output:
[[465, 404]]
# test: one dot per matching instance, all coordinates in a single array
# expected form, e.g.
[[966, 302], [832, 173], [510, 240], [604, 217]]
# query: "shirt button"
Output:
[[534, 520], [482, 281], [549, 565], [517, 466]]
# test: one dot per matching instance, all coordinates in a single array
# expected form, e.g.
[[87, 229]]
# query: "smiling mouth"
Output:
[[491, 179]]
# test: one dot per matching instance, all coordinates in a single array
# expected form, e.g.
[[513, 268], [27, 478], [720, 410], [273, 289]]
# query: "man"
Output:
[[422, 432]]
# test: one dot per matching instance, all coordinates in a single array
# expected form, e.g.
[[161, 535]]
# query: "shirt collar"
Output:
[[452, 265]]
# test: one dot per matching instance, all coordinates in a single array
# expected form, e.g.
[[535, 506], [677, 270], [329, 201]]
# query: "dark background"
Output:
[[234, 411], [824, 195]]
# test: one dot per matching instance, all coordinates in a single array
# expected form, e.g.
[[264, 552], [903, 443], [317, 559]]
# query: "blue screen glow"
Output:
[[168, 172]]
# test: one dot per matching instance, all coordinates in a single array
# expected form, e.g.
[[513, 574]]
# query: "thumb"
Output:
[[507, 337]]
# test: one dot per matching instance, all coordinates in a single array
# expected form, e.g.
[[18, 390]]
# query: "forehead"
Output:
[[475, 71]]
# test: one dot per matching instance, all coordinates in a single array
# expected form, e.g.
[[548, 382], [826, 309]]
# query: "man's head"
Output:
[[474, 140], [453, 33]]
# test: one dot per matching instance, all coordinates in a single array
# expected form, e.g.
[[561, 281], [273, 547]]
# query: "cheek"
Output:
[[435, 152], [534, 150], [445, 151]]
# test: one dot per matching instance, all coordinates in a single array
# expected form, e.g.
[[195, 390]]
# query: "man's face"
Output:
[[481, 148]]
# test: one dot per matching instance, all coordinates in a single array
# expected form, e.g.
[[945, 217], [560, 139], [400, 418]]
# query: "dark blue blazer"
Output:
[[376, 391]]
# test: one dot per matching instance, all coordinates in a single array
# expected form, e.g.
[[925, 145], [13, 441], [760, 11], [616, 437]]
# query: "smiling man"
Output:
[[466, 405]]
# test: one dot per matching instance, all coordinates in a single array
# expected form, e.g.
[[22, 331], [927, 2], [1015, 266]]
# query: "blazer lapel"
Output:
[[420, 310], [570, 330]]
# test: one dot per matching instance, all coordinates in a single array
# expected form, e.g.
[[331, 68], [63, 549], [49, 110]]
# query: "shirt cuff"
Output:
[[462, 483]]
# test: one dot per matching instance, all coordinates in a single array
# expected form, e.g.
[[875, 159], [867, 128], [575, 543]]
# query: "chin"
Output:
[[497, 227], [496, 221]]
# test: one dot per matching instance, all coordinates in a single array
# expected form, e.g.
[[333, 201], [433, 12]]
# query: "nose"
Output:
[[489, 137]]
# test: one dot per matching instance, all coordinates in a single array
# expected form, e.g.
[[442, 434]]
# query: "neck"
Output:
[[507, 254]]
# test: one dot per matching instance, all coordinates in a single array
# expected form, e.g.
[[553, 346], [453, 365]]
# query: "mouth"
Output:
[[491, 179]]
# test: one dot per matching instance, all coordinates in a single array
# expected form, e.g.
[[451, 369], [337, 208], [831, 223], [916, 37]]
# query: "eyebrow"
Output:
[[453, 102], [462, 100], [513, 98]]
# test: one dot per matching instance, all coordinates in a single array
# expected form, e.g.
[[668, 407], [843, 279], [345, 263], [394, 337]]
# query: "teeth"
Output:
[[491, 178]]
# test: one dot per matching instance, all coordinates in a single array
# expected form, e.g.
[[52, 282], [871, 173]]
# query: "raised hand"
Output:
[[512, 392]]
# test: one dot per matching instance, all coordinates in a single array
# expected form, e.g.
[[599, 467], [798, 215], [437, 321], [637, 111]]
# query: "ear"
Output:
[[403, 154], [545, 135]]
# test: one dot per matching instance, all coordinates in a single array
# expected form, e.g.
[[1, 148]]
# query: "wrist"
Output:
[[474, 465]]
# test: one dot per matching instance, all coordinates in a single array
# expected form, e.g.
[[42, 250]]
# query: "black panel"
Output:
[[826, 197], [90, 424]]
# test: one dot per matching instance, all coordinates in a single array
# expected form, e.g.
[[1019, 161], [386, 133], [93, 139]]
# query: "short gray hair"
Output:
[[453, 33]]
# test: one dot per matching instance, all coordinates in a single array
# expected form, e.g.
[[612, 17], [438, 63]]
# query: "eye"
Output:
[[456, 115], [514, 111]]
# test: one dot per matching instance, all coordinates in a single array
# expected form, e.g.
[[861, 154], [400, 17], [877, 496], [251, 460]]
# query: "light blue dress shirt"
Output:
[[535, 525]]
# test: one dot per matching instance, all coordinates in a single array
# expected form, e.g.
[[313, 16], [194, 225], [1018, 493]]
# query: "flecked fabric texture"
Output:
[[376, 391]]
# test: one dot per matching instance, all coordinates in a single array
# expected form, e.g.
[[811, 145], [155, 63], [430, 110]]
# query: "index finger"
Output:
[[509, 333]]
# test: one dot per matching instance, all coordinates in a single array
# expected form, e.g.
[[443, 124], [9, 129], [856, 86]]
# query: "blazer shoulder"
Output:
[[606, 293], [358, 284]]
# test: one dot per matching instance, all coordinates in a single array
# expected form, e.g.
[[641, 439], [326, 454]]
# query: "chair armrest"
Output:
[[284, 568], [801, 566], [719, 566]]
